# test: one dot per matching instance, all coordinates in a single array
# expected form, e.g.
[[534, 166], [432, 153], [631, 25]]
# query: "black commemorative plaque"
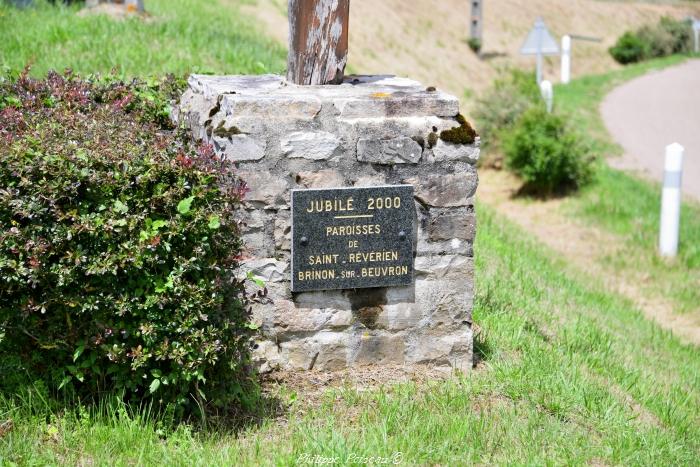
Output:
[[347, 238]]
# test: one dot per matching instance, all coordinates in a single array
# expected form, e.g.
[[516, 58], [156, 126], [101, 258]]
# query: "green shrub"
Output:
[[474, 43], [118, 246], [668, 37], [630, 48], [680, 32], [546, 153], [510, 96]]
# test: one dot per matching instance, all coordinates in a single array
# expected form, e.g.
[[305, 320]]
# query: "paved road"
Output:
[[650, 112]]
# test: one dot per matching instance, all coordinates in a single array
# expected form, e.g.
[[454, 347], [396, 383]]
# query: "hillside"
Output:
[[426, 40]]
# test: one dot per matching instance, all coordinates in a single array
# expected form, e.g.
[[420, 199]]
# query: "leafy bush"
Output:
[[118, 246], [546, 153], [474, 43], [510, 96], [629, 48], [668, 37], [681, 33]]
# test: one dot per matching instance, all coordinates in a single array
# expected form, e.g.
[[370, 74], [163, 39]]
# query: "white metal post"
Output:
[[539, 26], [671, 200], [565, 59], [547, 94]]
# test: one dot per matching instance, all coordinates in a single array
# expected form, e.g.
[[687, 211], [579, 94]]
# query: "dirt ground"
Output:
[[426, 40]]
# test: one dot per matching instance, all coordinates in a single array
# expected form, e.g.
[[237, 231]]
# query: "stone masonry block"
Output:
[[320, 179], [431, 267], [402, 150], [314, 145], [445, 190], [380, 348], [271, 107], [265, 188], [283, 231], [452, 350], [449, 223], [443, 151], [367, 131], [239, 148]]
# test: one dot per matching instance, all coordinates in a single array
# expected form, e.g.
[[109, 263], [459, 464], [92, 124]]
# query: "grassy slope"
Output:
[[571, 375], [426, 39], [628, 206], [181, 36]]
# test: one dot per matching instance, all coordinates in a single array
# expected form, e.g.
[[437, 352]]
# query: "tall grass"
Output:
[[628, 206], [178, 37], [572, 375]]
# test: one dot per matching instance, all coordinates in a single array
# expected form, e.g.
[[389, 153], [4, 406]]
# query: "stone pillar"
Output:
[[368, 131]]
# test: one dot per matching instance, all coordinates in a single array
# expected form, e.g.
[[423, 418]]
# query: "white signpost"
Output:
[[539, 42], [696, 33], [547, 94], [566, 59], [671, 200]]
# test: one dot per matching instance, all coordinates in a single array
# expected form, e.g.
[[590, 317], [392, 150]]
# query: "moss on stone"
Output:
[[463, 134], [222, 132], [432, 139]]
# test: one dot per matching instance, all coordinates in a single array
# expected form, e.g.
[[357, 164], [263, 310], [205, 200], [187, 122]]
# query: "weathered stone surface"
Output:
[[443, 247], [330, 351], [399, 317], [300, 354], [253, 220], [388, 103], [287, 319], [445, 190], [266, 269], [240, 148], [213, 86], [381, 349], [320, 179], [371, 180], [257, 244], [268, 356], [444, 267], [283, 231], [314, 145], [402, 150], [265, 188], [454, 350], [271, 107], [443, 151], [336, 299], [446, 224]]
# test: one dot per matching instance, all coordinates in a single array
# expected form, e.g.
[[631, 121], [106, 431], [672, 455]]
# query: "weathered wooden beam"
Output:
[[318, 41]]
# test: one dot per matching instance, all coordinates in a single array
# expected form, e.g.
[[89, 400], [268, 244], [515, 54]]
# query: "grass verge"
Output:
[[627, 206], [178, 37], [572, 375]]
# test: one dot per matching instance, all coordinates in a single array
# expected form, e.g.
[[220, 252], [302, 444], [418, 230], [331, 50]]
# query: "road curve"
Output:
[[652, 111]]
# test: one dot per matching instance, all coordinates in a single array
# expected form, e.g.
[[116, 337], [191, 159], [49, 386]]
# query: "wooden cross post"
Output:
[[318, 41]]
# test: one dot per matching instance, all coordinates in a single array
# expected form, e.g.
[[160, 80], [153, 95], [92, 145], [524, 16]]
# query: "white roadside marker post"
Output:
[[547, 94], [566, 59], [671, 201]]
